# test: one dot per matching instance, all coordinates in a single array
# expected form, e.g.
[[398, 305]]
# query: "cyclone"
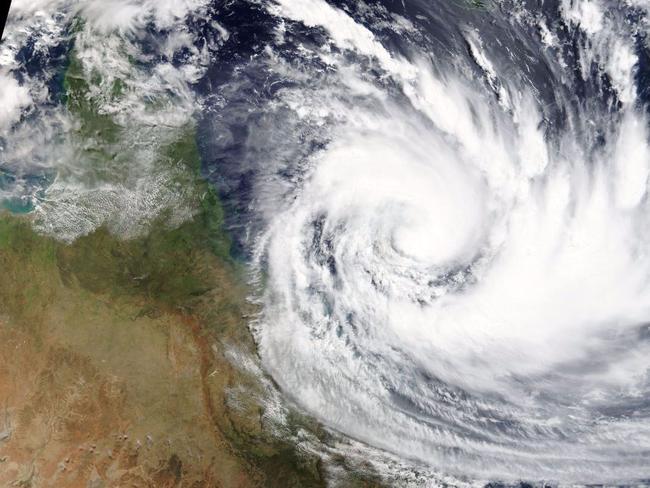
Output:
[[458, 273], [441, 208]]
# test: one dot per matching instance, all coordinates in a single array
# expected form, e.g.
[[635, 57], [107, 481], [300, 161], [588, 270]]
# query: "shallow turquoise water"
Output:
[[17, 205]]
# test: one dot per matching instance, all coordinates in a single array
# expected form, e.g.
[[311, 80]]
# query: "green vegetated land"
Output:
[[114, 364]]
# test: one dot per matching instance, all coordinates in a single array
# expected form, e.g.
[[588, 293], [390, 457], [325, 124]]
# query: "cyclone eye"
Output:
[[325, 242], [483, 228]]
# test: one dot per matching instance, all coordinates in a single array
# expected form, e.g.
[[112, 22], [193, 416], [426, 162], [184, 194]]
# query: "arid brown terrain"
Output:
[[114, 368]]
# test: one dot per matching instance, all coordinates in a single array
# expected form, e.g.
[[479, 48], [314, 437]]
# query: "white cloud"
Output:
[[14, 99]]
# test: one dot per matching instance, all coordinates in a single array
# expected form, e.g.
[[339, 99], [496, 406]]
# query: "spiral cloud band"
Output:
[[459, 272], [443, 205]]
